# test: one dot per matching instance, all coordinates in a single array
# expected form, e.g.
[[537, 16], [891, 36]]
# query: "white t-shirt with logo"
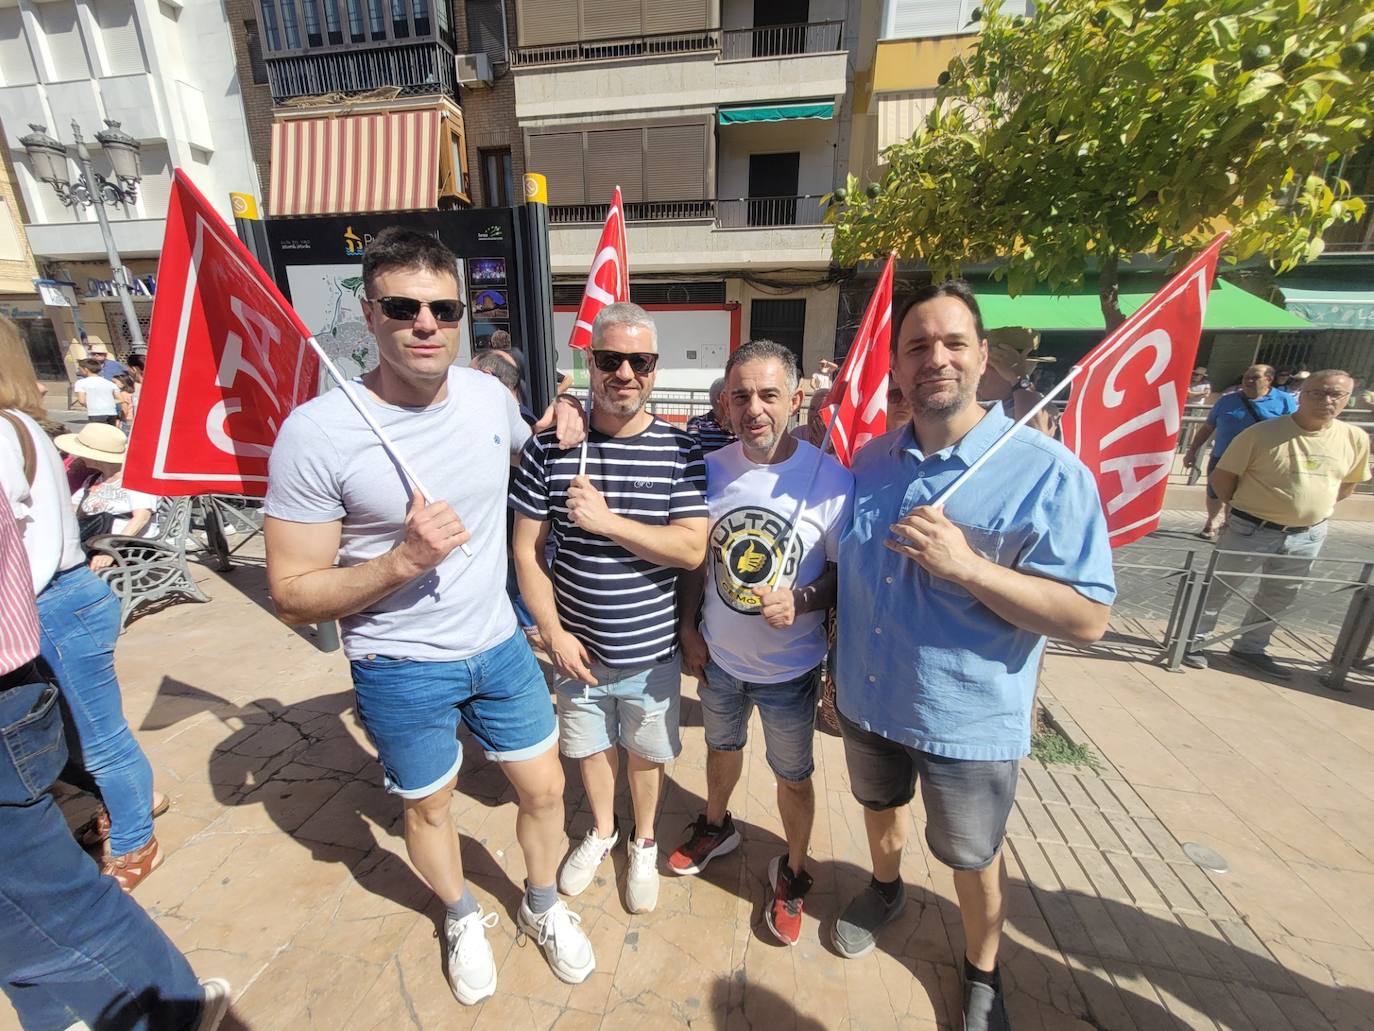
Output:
[[750, 510], [99, 394]]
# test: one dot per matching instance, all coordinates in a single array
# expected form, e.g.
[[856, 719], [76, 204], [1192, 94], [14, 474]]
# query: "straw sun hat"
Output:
[[96, 441], [1010, 351]]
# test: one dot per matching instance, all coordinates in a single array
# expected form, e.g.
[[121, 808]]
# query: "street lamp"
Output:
[[48, 158]]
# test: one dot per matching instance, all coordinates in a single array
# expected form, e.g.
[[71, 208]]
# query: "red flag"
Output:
[[609, 279], [1127, 405], [227, 361], [860, 414]]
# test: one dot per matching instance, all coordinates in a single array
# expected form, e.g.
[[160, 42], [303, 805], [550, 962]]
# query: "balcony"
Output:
[[1353, 237], [415, 69], [699, 235], [668, 71]]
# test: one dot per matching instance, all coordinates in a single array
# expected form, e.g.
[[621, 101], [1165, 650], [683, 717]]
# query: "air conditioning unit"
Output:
[[474, 71]]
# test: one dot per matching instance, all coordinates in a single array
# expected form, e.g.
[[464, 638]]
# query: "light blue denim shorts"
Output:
[[637, 708]]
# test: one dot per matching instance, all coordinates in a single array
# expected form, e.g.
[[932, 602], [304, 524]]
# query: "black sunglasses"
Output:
[[407, 309], [641, 363]]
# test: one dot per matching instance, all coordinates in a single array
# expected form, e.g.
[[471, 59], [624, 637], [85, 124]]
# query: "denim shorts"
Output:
[[637, 708], [411, 711], [967, 801], [787, 711]]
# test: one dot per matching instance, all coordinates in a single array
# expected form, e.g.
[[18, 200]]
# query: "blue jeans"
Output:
[[787, 711], [639, 709], [78, 615], [411, 711], [73, 946]]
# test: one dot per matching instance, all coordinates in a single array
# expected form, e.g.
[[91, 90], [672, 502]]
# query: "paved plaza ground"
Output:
[[285, 869]]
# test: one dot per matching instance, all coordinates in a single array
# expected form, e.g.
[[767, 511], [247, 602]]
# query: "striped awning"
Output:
[[900, 114], [346, 164]]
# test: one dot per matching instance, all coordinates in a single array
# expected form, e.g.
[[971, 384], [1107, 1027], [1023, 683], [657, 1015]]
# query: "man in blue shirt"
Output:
[[1255, 401], [109, 368], [943, 615]]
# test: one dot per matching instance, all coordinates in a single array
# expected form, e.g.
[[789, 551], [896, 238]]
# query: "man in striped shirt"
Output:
[[712, 429], [623, 531]]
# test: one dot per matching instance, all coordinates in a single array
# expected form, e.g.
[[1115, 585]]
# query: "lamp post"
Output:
[[48, 157]]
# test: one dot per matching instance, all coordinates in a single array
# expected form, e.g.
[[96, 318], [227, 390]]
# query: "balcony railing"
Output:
[[738, 213], [416, 70], [821, 37], [765, 212], [659, 44], [1353, 237]]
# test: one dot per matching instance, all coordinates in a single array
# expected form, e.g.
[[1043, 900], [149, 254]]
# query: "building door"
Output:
[[773, 189], [44, 351], [783, 322], [780, 27]]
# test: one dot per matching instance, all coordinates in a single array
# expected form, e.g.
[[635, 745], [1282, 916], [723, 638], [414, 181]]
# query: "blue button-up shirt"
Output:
[[921, 661]]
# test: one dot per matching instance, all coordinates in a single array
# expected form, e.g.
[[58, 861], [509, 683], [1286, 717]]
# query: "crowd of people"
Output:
[[734, 550]]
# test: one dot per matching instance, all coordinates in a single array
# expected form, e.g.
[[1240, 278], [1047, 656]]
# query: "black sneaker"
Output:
[[984, 1008], [855, 933], [1263, 663]]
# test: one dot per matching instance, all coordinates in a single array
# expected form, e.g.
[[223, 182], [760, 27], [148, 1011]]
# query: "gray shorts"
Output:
[[967, 802]]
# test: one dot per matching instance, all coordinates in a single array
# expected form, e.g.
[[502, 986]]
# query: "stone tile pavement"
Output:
[[286, 873]]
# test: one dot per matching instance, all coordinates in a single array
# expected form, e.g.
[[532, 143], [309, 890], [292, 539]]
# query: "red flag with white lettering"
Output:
[[860, 414], [228, 360], [1124, 416], [609, 278]]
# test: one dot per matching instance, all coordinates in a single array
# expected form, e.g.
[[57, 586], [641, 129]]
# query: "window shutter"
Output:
[[675, 163], [541, 22], [676, 15], [615, 157], [913, 19], [487, 30], [610, 18], [558, 157]]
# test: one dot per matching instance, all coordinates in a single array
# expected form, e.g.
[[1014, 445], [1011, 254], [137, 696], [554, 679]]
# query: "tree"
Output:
[[1094, 132]]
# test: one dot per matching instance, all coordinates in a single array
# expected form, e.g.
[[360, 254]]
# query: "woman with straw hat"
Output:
[[103, 504], [78, 615]]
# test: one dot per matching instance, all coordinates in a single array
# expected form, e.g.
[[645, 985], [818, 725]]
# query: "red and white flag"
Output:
[[1124, 416], [228, 359], [609, 278], [860, 413]]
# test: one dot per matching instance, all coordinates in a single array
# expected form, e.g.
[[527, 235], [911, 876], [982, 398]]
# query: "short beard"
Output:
[[620, 409], [764, 447], [963, 397]]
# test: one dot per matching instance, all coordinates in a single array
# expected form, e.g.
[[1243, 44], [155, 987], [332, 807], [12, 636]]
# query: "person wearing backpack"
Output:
[[1256, 401]]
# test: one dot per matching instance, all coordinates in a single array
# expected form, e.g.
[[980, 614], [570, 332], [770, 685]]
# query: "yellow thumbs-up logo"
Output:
[[752, 560]]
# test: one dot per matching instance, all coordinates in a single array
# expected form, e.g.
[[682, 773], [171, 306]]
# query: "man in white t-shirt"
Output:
[[95, 393], [767, 584]]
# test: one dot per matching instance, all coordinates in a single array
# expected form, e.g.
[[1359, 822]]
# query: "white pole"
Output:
[[376, 427], [982, 460], [582, 458]]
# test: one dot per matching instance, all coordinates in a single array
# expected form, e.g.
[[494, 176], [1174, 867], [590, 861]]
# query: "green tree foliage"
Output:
[[1096, 131]]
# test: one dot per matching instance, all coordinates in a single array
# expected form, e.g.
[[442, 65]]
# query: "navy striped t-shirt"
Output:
[[621, 607]]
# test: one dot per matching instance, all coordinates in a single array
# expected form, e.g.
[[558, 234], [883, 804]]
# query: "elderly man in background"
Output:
[[1254, 402], [1007, 379], [1282, 478], [712, 429]]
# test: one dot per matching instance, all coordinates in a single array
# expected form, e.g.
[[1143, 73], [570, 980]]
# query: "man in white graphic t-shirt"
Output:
[[766, 585]]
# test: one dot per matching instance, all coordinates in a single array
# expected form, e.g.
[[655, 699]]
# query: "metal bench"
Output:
[[147, 570]]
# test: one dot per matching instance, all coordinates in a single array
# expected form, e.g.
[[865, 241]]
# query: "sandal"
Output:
[[1209, 535], [131, 868], [96, 830]]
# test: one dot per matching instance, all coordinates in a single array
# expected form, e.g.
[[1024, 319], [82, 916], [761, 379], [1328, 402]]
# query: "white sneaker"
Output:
[[579, 869], [565, 945], [641, 882], [471, 966], [216, 1004]]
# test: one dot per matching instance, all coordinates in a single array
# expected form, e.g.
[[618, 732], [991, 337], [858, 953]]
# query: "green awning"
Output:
[[775, 113], [1330, 307], [1229, 308]]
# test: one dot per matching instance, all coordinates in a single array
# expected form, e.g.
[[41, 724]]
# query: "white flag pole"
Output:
[[997, 444], [376, 427]]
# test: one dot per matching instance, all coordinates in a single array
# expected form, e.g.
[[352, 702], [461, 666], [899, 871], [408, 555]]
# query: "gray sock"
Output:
[[465, 906], [540, 900]]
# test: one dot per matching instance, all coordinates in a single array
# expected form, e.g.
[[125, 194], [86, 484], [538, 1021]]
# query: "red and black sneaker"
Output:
[[784, 911], [707, 842]]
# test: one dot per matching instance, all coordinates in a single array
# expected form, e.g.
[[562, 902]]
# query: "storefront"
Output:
[[36, 327]]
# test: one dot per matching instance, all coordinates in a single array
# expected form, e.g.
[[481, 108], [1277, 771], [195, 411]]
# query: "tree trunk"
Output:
[[1108, 290]]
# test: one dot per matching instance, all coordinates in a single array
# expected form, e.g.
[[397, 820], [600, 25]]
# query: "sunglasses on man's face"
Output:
[[407, 309], [641, 363]]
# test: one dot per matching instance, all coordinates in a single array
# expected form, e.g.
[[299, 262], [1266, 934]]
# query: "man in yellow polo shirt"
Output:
[[1282, 478]]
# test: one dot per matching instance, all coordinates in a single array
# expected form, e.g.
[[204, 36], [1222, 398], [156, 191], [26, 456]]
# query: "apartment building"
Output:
[[724, 123], [164, 71]]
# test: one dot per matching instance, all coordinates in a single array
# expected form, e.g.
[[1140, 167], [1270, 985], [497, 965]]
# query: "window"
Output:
[[290, 27], [356, 32], [498, 186], [66, 52], [376, 19], [311, 15], [252, 42], [783, 322], [400, 19], [119, 34], [443, 19], [269, 24], [16, 63], [915, 19], [331, 22], [649, 163], [487, 30], [421, 11]]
